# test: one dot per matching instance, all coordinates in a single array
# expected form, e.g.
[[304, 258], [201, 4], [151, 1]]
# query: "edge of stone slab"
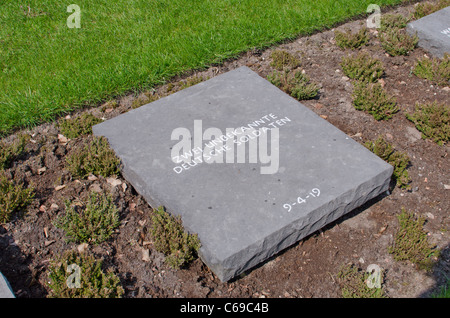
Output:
[[226, 270]]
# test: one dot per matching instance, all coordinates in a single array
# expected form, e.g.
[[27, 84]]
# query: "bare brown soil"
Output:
[[307, 269]]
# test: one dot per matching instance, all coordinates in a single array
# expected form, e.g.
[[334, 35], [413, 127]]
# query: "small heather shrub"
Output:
[[13, 151], [434, 69], [443, 292], [393, 21], [304, 89], [399, 160], [96, 157], [362, 67], [425, 8], [93, 223], [350, 40], [13, 198], [191, 81], [296, 84], [410, 242], [398, 42], [144, 99], [78, 126], [282, 59], [353, 284], [373, 98], [433, 120], [74, 275]]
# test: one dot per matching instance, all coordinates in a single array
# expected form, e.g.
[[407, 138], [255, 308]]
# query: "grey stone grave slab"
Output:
[[433, 31], [262, 171]]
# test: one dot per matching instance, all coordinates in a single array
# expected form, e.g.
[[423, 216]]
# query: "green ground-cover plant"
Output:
[[351, 40], [95, 157], [444, 291], [12, 151], [94, 222], [48, 69], [304, 88], [14, 197], [425, 8], [75, 275], [169, 237], [144, 99], [294, 83], [399, 160], [381, 148], [362, 67], [78, 126], [191, 81], [434, 69], [392, 21], [282, 59], [353, 284], [398, 42], [373, 98], [411, 243], [433, 120]]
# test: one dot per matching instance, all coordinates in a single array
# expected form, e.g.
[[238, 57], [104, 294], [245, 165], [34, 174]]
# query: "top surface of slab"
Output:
[[433, 31], [250, 206]]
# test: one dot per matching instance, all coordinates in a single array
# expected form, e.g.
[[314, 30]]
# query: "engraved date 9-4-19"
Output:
[[314, 193]]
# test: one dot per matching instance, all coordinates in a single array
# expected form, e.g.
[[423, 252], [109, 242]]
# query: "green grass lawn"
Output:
[[47, 69]]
